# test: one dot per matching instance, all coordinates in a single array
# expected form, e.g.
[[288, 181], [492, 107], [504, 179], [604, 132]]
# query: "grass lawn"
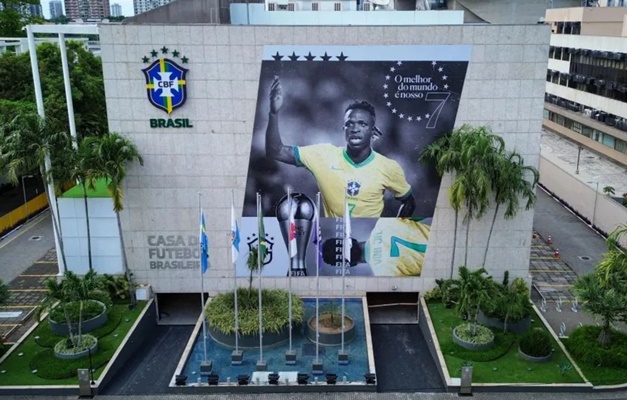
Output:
[[500, 364], [37, 352], [100, 191]]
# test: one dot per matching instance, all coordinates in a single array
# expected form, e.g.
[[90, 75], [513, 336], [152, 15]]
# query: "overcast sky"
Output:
[[127, 7]]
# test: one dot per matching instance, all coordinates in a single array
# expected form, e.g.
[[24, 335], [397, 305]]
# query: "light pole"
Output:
[[596, 196], [579, 148], [24, 193]]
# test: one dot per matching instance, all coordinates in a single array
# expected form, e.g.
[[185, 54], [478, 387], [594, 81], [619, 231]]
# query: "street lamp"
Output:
[[596, 196], [579, 148], [24, 193]]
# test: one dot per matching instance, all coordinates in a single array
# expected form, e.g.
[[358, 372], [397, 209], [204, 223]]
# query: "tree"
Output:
[[28, 143], [109, 156], [615, 260], [13, 18], [509, 184], [474, 290], [609, 190], [607, 299]]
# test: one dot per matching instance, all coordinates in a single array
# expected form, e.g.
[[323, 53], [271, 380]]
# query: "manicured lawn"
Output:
[[100, 191], [37, 353], [501, 364]]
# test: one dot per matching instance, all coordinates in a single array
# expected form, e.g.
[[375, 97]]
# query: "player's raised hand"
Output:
[[276, 96]]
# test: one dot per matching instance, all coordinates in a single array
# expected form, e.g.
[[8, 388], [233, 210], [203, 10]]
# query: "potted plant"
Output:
[[330, 326], [535, 346], [70, 297]]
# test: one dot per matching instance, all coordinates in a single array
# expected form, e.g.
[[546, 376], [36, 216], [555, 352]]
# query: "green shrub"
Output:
[[536, 343], [65, 346], [584, 346], [221, 315], [476, 334], [118, 288], [91, 309], [433, 294]]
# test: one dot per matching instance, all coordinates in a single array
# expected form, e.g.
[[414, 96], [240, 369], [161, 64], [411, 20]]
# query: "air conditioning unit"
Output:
[[587, 112]]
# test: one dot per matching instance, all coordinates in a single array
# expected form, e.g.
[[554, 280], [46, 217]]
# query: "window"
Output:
[[561, 120], [337, 7], [546, 113], [587, 131], [577, 127], [314, 6], [367, 7], [271, 6], [290, 7], [620, 145]]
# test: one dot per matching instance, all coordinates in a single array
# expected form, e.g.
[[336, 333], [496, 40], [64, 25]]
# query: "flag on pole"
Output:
[[204, 244], [261, 232], [317, 237], [293, 250], [348, 240], [234, 235]]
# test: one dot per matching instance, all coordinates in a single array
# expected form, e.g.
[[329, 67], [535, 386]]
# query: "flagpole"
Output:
[[289, 271], [343, 267], [317, 276], [234, 280], [202, 288], [259, 255]]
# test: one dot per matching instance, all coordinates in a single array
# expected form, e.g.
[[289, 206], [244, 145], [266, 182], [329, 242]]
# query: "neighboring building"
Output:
[[56, 9], [35, 10], [87, 9], [586, 90], [116, 10], [141, 6]]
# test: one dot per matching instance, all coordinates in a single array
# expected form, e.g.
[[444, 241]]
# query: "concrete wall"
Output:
[[105, 239], [581, 196], [504, 88]]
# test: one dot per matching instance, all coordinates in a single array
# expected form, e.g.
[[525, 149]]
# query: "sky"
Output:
[[127, 7]]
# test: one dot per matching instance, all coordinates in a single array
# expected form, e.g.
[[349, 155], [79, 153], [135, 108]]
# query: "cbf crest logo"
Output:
[[352, 188], [166, 84]]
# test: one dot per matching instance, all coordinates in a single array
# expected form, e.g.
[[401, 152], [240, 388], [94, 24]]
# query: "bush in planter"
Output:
[[220, 311], [90, 310], [475, 334], [118, 287], [508, 303], [536, 343]]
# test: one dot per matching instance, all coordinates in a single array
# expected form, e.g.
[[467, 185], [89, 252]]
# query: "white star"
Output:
[[409, 118], [399, 63], [427, 116], [444, 77], [385, 95], [434, 63], [445, 86], [394, 111], [385, 86], [392, 69], [388, 104], [418, 119], [401, 115], [387, 77], [440, 69]]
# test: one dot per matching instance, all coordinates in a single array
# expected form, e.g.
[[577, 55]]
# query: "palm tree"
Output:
[[27, 143], [107, 159], [509, 184], [615, 260], [474, 289], [609, 190], [605, 299]]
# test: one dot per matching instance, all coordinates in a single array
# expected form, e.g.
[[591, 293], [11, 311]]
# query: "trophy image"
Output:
[[303, 210]]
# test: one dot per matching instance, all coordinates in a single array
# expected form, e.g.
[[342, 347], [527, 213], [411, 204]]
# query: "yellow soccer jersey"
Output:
[[397, 247], [364, 183]]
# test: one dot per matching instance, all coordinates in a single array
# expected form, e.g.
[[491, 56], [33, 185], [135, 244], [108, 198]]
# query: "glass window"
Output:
[[587, 131], [561, 120], [577, 127], [597, 135], [608, 140], [620, 145], [546, 113]]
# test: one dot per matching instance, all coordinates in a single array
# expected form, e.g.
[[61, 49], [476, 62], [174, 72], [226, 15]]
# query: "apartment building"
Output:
[[87, 9], [586, 89]]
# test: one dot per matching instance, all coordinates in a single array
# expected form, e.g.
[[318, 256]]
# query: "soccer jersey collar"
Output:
[[367, 161]]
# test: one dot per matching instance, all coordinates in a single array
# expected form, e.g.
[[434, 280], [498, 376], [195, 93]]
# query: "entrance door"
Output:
[[402, 359]]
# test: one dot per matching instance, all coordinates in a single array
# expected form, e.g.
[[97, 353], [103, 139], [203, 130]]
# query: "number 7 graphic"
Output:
[[442, 97]]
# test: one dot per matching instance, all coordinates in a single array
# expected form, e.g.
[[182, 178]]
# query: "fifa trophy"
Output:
[[304, 210]]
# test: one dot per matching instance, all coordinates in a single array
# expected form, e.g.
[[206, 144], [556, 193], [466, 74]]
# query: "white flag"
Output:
[[348, 240], [293, 249]]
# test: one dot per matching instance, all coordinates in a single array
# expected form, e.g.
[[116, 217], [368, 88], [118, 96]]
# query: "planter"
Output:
[[328, 337], [74, 356], [529, 358], [61, 328], [250, 341], [468, 345], [516, 327]]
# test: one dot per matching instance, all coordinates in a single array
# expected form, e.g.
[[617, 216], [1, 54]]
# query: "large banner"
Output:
[[348, 122]]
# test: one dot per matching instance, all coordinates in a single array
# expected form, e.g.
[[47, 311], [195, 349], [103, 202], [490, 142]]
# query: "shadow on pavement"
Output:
[[403, 361], [151, 368]]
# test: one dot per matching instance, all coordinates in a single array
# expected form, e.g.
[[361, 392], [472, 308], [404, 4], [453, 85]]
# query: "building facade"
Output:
[[94, 10], [56, 9], [586, 90], [116, 10], [141, 6], [195, 100]]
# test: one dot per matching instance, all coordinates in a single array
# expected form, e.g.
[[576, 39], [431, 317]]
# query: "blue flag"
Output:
[[204, 244], [235, 239]]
